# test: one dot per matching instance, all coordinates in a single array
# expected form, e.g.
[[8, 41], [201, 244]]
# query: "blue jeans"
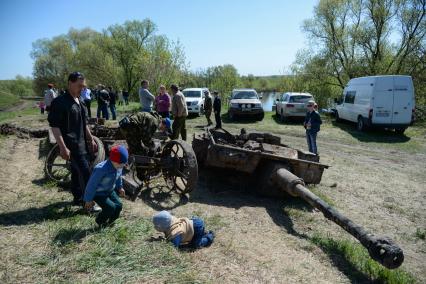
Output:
[[201, 238], [311, 138], [112, 109], [104, 110]]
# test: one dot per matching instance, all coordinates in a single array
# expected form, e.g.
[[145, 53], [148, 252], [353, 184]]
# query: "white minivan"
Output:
[[383, 101]]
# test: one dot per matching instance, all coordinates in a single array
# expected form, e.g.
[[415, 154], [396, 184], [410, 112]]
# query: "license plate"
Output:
[[246, 109]]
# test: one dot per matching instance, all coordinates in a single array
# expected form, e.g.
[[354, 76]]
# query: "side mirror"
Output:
[[277, 100]]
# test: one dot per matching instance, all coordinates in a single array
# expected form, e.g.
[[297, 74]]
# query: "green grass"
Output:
[[10, 115], [420, 234], [119, 254], [7, 100], [353, 259]]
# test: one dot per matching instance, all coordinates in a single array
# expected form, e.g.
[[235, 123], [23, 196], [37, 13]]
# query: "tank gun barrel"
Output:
[[381, 249]]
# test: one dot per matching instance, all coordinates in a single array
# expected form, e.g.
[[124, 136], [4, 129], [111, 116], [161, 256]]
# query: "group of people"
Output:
[[103, 185]]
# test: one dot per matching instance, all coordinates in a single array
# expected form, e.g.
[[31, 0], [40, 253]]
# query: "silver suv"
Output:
[[245, 102]]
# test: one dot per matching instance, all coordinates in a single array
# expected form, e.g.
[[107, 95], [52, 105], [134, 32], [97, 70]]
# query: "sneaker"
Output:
[[95, 209]]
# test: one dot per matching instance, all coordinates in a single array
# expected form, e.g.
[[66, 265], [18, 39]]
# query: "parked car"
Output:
[[195, 100], [292, 105], [245, 102], [381, 101]]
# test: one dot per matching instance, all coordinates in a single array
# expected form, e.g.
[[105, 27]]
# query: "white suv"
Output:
[[195, 99], [292, 105]]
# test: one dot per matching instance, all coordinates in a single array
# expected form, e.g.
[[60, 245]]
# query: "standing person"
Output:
[[312, 125], [145, 97], [103, 102], [120, 98], [104, 184], [208, 105], [112, 101], [179, 112], [162, 102], [42, 106], [49, 96], [217, 105], [126, 97], [68, 119], [86, 97]]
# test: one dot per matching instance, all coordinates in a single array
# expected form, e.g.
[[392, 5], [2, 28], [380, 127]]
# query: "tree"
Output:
[[365, 37]]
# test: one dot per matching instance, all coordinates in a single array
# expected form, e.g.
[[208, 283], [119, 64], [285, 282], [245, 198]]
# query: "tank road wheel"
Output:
[[180, 170], [59, 170]]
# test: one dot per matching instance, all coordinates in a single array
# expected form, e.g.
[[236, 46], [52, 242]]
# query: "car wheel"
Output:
[[231, 116], [360, 124], [400, 131], [282, 117], [201, 110], [337, 117], [260, 116]]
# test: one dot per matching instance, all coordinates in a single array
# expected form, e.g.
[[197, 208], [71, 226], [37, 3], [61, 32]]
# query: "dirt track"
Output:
[[266, 240]]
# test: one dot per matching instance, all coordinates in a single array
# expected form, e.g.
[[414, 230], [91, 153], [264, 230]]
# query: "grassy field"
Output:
[[46, 240], [7, 100]]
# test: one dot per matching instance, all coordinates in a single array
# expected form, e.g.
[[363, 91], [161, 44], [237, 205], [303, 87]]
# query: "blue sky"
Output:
[[257, 37]]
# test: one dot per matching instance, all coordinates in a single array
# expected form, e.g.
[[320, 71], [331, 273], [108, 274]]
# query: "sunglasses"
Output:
[[75, 76], [310, 105]]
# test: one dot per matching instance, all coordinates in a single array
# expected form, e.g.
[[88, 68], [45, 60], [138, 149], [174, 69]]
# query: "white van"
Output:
[[382, 101]]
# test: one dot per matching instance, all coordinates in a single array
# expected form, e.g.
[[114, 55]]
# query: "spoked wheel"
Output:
[[180, 170], [56, 168], [59, 170]]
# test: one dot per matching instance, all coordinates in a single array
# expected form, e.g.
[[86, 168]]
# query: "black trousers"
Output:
[[218, 119], [80, 174], [87, 103]]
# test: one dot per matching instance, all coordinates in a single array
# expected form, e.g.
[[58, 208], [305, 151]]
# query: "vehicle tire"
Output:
[[337, 117], [260, 117], [181, 175], [231, 116], [282, 117], [400, 131], [360, 124]]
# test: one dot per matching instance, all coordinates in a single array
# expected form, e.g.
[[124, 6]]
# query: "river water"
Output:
[[268, 100]]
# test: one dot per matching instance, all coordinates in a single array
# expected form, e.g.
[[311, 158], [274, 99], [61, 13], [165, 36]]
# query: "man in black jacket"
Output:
[[68, 119], [217, 105]]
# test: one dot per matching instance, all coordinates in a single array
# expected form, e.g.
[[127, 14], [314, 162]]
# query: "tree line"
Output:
[[348, 39]]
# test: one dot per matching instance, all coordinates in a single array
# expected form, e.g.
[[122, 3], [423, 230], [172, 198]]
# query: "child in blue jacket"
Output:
[[183, 231], [104, 184]]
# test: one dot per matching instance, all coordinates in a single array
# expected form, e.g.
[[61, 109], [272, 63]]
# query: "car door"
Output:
[[383, 100], [402, 100]]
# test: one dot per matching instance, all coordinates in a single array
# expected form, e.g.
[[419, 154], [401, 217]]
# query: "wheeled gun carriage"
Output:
[[280, 170], [174, 160]]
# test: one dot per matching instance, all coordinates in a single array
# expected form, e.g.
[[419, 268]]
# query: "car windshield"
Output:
[[192, 94], [244, 95], [300, 99]]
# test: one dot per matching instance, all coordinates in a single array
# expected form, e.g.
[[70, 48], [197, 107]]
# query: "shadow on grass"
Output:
[[160, 197], [55, 211], [238, 120], [73, 235], [371, 135]]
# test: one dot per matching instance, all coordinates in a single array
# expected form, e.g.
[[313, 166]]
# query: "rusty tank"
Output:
[[279, 170]]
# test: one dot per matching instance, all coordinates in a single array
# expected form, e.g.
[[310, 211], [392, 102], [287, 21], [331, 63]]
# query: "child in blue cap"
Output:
[[104, 184], [183, 231], [165, 126]]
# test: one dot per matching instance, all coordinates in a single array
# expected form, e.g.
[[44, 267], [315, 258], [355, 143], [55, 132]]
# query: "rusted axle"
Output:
[[381, 249]]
